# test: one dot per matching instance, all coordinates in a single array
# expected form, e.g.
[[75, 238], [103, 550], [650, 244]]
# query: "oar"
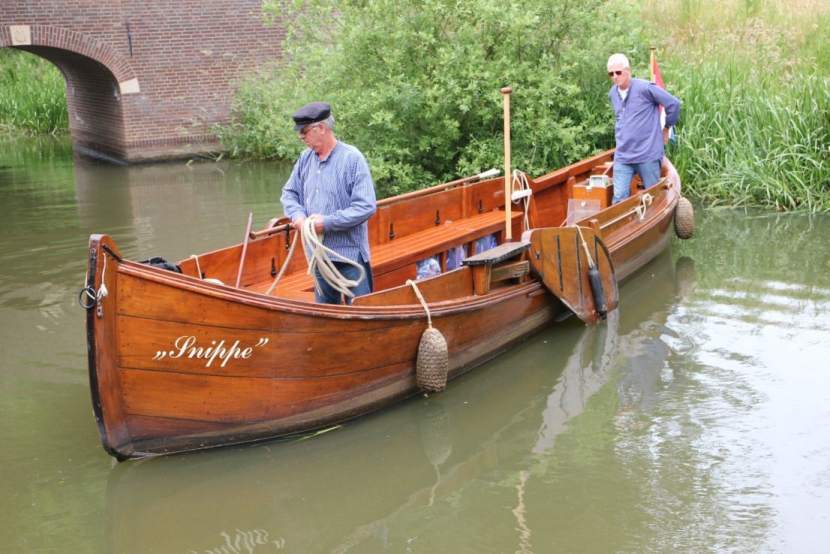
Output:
[[594, 280], [508, 227], [244, 248]]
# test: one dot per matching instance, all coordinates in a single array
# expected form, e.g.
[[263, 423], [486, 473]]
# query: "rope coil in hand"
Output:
[[321, 259]]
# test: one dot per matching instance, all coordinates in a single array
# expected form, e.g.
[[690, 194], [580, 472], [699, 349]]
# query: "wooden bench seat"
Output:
[[417, 246], [404, 251]]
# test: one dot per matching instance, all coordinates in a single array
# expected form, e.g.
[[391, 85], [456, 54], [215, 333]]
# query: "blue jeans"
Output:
[[328, 295], [623, 173]]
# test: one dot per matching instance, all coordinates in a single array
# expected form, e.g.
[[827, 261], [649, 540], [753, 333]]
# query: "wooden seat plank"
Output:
[[496, 255], [402, 251]]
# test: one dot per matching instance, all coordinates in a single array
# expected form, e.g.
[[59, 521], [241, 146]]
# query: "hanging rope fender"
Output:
[[432, 364]]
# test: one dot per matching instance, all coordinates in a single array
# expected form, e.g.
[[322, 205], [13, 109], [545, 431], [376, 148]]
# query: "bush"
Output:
[[415, 83]]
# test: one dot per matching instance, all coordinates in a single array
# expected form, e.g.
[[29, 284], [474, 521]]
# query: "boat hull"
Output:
[[179, 364]]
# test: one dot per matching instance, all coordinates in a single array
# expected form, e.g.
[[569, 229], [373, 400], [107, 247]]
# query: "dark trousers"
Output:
[[328, 295]]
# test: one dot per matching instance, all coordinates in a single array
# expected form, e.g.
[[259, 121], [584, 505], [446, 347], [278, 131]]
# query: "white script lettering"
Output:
[[186, 347]]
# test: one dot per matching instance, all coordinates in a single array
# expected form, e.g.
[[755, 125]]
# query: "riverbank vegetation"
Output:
[[32, 95], [753, 77], [415, 86]]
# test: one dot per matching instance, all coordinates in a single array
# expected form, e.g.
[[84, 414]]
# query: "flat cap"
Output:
[[311, 113]]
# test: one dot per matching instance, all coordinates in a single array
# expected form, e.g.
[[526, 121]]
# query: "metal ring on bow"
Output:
[[90, 292]]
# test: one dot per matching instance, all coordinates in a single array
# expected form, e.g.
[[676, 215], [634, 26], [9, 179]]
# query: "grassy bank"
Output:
[[32, 95], [753, 77]]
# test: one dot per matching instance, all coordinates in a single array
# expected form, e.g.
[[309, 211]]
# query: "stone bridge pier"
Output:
[[145, 80]]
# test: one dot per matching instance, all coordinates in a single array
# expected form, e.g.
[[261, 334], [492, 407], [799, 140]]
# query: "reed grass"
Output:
[[753, 78], [32, 95]]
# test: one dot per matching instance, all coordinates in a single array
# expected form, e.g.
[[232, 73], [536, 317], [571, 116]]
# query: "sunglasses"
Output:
[[304, 131], [617, 73]]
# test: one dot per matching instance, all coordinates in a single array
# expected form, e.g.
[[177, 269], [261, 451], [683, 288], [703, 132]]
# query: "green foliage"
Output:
[[415, 84], [752, 140], [32, 94], [755, 125]]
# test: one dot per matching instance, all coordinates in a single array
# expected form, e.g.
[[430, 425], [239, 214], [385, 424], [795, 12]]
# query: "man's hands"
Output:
[[318, 222]]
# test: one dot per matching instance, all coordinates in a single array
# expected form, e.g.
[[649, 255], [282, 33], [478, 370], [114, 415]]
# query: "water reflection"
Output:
[[399, 481], [697, 421]]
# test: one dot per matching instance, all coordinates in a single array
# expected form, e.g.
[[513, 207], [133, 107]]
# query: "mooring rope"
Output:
[[198, 269], [96, 296], [423, 302], [520, 178], [645, 202], [284, 265]]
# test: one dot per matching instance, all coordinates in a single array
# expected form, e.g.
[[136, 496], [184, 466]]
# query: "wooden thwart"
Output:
[[484, 272]]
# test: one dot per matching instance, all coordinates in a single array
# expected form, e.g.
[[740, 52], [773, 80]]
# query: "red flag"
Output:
[[657, 79]]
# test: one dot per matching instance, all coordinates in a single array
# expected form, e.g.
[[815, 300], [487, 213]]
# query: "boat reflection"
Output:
[[422, 476]]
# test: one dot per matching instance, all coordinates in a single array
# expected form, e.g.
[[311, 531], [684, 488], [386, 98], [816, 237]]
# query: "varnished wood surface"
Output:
[[563, 258], [307, 365]]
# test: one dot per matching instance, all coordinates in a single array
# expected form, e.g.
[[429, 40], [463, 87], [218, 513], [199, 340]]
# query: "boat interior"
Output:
[[451, 238]]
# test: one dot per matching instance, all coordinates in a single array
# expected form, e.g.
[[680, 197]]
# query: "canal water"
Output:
[[697, 419]]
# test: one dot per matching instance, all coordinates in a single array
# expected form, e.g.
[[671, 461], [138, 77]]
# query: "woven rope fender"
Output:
[[432, 364], [684, 219]]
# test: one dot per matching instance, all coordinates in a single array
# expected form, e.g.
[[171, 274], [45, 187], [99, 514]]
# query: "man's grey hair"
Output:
[[618, 59], [329, 122]]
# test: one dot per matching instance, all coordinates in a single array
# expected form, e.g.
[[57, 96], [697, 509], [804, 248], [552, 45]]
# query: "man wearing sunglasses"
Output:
[[637, 131], [332, 184]]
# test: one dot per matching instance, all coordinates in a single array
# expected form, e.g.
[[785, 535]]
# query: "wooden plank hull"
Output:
[[179, 364]]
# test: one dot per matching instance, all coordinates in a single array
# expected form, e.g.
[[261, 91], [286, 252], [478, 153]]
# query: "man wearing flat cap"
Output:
[[331, 183]]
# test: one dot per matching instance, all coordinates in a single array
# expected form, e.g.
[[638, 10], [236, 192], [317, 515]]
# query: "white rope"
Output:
[[320, 259], [284, 265], [420, 299], [520, 179], [102, 290], [198, 269], [645, 202]]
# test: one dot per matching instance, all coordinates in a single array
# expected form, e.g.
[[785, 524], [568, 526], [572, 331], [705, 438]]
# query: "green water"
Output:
[[696, 420]]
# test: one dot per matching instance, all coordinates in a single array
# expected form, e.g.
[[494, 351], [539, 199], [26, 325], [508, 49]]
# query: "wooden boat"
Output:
[[437, 453], [180, 362]]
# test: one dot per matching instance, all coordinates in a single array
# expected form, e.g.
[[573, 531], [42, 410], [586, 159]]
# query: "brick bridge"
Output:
[[145, 80]]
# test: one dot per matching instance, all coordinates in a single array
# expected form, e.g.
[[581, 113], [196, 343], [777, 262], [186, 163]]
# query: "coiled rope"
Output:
[[520, 180], [645, 202], [321, 259]]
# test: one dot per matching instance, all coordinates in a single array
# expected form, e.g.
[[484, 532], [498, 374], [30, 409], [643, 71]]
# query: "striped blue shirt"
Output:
[[339, 188]]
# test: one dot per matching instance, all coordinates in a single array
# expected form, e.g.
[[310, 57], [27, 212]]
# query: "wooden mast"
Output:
[[508, 230]]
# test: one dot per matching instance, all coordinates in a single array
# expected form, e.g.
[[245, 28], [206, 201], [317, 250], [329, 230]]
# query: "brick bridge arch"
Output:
[[145, 81]]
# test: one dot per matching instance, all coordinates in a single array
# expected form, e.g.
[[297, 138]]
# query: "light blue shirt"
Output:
[[339, 188], [637, 130]]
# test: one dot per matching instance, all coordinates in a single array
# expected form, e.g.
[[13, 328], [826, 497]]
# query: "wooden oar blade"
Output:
[[558, 256]]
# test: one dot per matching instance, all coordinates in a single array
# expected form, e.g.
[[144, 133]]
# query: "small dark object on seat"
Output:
[[161, 263], [500, 253]]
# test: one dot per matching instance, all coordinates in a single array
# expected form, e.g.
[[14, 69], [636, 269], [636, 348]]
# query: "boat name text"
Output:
[[186, 347]]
